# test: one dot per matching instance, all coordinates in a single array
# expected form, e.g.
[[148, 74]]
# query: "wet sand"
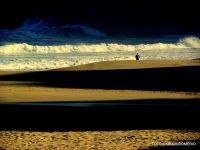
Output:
[[93, 140]]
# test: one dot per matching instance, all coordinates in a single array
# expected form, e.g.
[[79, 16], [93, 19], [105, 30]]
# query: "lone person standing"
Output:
[[137, 56]]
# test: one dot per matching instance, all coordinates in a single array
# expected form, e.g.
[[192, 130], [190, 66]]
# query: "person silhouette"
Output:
[[137, 56]]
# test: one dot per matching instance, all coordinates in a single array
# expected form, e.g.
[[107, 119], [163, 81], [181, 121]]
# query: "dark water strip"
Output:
[[135, 114]]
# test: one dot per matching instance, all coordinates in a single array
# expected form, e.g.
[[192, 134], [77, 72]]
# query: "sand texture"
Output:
[[95, 140]]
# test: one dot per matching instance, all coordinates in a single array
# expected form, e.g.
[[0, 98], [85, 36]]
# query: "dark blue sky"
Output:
[[111, 16]]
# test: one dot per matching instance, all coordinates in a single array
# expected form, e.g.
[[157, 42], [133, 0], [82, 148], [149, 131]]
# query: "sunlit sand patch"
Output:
[[130, 64], [130, 139], [21, 92]]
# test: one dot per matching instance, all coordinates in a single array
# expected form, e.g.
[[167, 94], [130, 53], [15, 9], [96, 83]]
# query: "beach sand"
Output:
[[14, 92], [93, 140], [116, 80], [130, 64], [14, 89]]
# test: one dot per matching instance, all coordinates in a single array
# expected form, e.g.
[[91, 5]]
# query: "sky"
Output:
[[114, 17]]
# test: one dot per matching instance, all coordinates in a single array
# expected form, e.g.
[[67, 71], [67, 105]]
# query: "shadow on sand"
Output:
[[123, 115], [158, 79]]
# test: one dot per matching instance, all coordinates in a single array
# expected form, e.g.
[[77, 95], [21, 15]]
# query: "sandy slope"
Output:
[[14, 91], [122, 64], [130, 64]]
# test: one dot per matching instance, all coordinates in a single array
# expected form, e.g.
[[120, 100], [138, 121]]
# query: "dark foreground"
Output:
[[119, 115]]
